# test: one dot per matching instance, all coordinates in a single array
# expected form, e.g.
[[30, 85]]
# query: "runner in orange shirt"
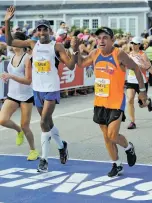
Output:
[[109, 104]]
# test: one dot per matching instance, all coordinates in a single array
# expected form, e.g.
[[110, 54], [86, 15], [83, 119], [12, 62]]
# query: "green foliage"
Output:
[[74, 28], [118, 31]]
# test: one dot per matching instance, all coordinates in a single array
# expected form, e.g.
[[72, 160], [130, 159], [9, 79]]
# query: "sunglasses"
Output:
[[134, 43]]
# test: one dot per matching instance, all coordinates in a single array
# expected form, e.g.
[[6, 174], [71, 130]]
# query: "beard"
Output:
[[44, 39]]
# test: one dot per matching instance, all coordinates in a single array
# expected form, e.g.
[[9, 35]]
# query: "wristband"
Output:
[[142, 89]]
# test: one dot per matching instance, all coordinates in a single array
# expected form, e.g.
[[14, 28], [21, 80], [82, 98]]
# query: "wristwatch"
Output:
[[75, 53]]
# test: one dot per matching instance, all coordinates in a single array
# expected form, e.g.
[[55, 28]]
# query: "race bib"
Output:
[[42, 66], [102, 87], [131, 73]]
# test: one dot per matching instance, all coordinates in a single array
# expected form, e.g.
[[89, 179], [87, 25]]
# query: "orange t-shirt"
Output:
[[109, 81]]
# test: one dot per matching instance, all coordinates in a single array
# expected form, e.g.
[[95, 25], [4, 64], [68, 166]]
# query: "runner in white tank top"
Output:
[[20, 94], [132, 83], [46, 83], [16, 90]]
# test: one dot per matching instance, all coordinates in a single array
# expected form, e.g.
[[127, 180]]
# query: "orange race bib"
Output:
[[102, 87], [42, 66]]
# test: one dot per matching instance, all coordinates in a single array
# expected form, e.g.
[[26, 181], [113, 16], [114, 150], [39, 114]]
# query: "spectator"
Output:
[[34, 36], [3, 51], [62, 27], [62, 35], [52, 37], [16, 29], [149, 55], [2, 34], [145, 43]]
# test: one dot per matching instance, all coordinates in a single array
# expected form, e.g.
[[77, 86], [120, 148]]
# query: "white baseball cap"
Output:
[[136, 40], [61, 32]]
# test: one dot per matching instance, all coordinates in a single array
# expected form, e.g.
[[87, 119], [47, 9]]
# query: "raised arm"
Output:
[[68, 61], [15, 43], [86, 61]]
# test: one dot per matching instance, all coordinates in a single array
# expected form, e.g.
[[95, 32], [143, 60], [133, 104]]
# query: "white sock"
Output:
[[45, 144], [129, 147], [55, 135], [118, 162]]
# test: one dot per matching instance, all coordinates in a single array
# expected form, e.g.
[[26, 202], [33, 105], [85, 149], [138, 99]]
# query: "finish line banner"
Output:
[[79, 77]]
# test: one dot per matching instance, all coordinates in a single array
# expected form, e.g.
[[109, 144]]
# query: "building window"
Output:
[[51, 22], [2, 23], [21, 24], [58, 23], [76, 23], [86, 23], [132, 26], [123, 24], [36, 23], [30, 23], [95, 24], [113, 23]]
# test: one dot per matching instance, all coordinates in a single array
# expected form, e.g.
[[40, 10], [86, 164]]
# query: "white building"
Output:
[[130, 16]]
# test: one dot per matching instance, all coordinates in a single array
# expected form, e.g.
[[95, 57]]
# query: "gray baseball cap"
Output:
[[45, 23]]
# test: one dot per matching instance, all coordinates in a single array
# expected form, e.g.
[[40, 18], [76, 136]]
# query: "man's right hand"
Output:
[[9, 13]]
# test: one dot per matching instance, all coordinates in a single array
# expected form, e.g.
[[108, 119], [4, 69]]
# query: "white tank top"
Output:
[[17, 90], [131, 77], [45, 76]]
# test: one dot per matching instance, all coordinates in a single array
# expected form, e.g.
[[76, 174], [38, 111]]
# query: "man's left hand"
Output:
[[75, 43]]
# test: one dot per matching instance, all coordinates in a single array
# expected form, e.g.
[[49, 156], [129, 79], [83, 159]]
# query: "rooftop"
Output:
[[72, 4]]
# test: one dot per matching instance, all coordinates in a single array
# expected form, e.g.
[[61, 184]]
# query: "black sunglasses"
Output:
[[134, 43]]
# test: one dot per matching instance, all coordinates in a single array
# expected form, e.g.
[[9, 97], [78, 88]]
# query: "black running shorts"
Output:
[[135, 87], [30, 100], [104, 116]]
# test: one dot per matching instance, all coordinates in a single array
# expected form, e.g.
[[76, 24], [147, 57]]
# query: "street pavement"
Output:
[[73, 118]]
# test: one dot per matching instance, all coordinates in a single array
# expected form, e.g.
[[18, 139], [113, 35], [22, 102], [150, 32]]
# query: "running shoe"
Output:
[[33, 155], [131, 155], [116, 170], [19, 138], [63, 153], [43, 166], [132, 125], [149, 105]]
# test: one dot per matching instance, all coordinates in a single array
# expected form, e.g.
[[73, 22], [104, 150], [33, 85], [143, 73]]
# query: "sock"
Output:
[[45, 144], [118, 162], [147, 102], [55, 135], [129, 147]]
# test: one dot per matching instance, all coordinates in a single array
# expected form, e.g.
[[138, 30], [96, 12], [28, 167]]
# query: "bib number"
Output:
[[102, 87], [131, 73], [42, 66]]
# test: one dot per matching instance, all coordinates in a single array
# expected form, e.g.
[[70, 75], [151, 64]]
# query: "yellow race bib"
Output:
[[102, 87], [131, 73], [42, 66]]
